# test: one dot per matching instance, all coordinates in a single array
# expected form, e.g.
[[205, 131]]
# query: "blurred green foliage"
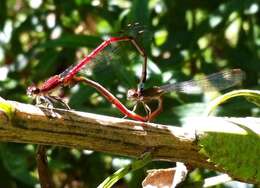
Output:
[[41, 38]]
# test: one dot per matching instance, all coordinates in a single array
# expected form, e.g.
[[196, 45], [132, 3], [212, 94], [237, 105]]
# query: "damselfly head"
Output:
[[32, 90], [132, 94]]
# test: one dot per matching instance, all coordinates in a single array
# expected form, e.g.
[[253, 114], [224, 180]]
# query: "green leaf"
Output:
[[139, 12], [6, 108], [47, 64], [252, 94], [3, 13], [16, 160], [111, 180], [238, 154], [190, 109], [72, 41]]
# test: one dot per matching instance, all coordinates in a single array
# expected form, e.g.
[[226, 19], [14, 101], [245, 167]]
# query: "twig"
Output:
[[23, 123], [42, 165]]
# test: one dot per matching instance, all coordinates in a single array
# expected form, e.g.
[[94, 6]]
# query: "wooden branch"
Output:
[[30, 124]]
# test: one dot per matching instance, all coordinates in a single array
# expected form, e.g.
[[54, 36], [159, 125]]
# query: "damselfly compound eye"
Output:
[[33, 90], [132, 94]]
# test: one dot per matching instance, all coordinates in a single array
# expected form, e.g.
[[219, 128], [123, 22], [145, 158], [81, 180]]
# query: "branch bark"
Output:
[[31, 124]]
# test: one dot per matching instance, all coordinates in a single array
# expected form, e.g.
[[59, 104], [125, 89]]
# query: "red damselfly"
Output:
[[64, 78], [213, 82], [69, 77]]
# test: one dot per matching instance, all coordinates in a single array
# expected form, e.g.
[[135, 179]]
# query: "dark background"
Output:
[[183, 39]]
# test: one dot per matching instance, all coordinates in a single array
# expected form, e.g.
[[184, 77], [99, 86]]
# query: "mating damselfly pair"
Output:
[[216, 81]]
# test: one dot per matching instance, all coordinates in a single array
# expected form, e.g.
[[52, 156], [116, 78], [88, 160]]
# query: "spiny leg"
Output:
[[59, 100], [44, 101], [48, 102], [147, 111], [133, 110]]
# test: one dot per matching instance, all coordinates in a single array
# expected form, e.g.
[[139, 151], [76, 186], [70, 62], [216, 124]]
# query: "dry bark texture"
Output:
[[31, 124]]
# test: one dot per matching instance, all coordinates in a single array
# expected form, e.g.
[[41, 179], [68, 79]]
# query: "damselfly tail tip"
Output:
[[240, 73], [133, 24], [141, 32], [135, 29]]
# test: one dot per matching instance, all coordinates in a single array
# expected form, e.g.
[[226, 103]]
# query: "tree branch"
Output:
[[23, 123]]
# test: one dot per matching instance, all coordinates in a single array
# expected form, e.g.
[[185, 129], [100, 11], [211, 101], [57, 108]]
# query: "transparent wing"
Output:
[[114, 52], [112, 55], [213, 82], [102, 60]]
